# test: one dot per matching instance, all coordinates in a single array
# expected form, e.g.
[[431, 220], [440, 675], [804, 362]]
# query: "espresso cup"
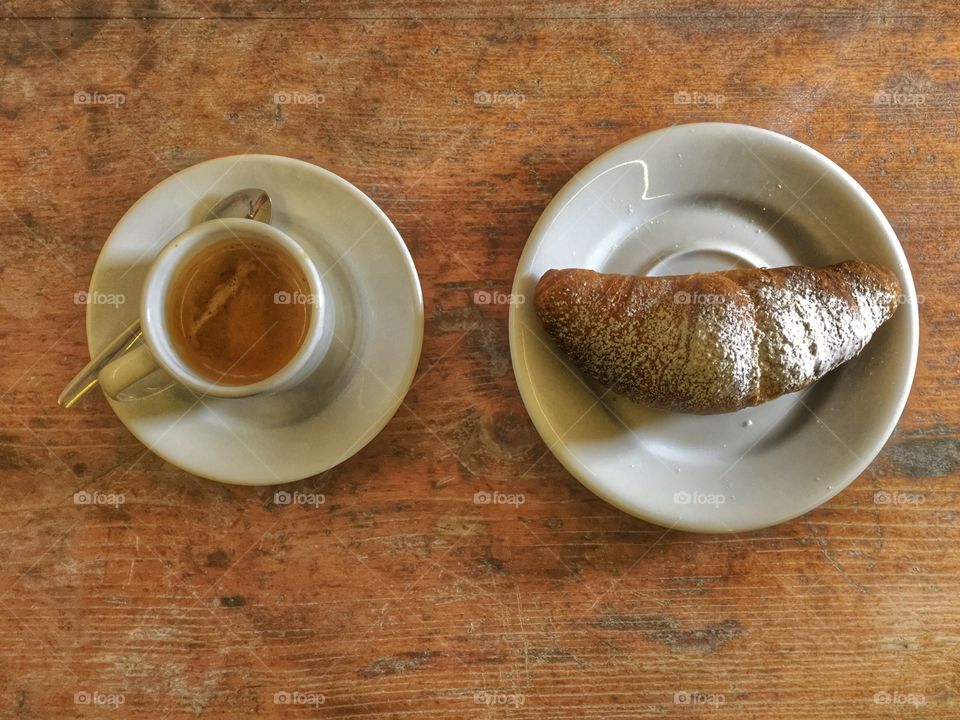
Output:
[[156, 364]]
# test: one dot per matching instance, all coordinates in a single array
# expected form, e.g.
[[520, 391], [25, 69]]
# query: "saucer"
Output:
[[291, 435], [698, 198]]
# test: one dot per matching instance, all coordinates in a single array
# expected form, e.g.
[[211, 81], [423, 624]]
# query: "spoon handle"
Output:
[[86, 379]]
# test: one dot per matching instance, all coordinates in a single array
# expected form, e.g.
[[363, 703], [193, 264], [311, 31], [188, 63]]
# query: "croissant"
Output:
[[715, 342]]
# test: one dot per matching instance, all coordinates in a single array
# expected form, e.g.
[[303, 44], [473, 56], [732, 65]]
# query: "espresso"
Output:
[[238, 311]]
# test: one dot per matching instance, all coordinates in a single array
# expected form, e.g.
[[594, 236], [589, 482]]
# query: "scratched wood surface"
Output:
[[399, 597]]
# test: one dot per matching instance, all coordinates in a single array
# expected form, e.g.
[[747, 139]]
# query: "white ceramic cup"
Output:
[[155, 364]]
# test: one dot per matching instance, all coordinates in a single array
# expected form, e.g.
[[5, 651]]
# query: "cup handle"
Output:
[[134, 375]]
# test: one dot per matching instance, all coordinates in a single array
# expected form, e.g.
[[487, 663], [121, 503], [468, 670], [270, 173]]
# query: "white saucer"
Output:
[[295, 434], [698, 198]]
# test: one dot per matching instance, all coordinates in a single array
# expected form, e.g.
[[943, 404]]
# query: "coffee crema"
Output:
[[233, 311]]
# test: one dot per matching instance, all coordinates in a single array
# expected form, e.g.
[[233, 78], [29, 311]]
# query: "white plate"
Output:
[[698, 198], [295, 434]]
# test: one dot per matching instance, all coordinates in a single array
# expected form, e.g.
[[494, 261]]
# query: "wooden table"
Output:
[[399, 597]]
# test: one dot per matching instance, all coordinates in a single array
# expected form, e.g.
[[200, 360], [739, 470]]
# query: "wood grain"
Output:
[[399, 597]]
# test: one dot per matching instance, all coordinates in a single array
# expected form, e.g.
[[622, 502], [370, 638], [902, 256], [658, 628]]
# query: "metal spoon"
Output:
[[251, 203]]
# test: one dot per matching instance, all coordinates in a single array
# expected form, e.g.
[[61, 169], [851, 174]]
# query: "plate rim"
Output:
[[408, 266], [558, 448]]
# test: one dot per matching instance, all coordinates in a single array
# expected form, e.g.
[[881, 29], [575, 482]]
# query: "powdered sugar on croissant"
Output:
[[715, 342]]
